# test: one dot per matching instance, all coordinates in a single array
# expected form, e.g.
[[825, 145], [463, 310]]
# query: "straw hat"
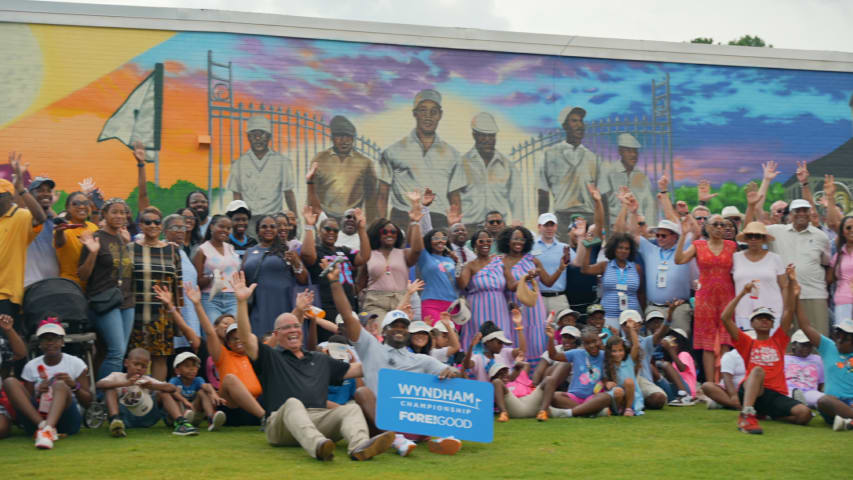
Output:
[[755, 227]]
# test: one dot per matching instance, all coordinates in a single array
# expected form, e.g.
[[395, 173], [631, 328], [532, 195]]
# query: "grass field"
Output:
[[689, 442]]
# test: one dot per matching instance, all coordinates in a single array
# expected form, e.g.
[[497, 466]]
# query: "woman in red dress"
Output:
[[714, 257]]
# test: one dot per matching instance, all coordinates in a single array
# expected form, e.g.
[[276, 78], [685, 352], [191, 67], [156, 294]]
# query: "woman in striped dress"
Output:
[[483, 282], [515, 244]]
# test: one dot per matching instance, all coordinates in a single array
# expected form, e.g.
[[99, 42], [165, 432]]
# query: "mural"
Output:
[[246, 116]]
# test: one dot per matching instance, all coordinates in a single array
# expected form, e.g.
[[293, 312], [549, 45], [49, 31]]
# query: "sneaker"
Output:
[[714, 405], [405, 447], [683, 401], [325, 450], [184, 429], [749, 424], [45, 437], [604, 412], [217, 421], [840, 424], [799, 396], [117, 428], [193, 417], [445, 445], [373, 446], [559, 412], [503, 417], [542, 416]]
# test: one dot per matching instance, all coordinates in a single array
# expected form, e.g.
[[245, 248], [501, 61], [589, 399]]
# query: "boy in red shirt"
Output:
[[764, 390]]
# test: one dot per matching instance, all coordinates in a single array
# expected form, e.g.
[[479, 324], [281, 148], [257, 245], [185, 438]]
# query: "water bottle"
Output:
[[46, 399]]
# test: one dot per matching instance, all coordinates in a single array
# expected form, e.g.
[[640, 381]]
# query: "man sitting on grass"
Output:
[[133, 398], [836, 407], [296, 385], [51, 385], [765, 391]]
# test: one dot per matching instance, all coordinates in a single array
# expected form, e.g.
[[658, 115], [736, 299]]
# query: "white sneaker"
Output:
[[217, 421], [45, 437], [406, 447], [713, 405], [555, 412], [840, 424], [683, 401]]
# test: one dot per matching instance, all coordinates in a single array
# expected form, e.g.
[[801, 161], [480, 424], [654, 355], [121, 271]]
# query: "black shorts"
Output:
[[237, 417], [771, 403]]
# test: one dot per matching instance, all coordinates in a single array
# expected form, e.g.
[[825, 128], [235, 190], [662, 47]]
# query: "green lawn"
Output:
[[682, 443]]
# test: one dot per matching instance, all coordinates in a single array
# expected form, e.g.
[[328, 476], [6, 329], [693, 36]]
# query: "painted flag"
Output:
[[140, 117]]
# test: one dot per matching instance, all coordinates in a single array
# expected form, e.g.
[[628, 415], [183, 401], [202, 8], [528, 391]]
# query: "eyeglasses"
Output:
[[151, 221], [754, 236], [177, 228], [332, 229], [641, 224], [495, 222], [287, 327], [388, 231]]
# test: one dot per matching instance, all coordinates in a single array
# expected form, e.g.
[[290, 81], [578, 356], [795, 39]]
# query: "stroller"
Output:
[[63, 297]]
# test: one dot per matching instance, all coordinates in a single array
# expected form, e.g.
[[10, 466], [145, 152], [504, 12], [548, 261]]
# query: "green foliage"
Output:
[[706, 40], [730, 193], [168, 200], [749, 41]]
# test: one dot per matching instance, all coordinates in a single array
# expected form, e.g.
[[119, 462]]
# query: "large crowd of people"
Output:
[[232, 319]]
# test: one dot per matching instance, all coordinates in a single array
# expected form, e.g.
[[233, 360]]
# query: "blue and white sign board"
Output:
[[418, 403]]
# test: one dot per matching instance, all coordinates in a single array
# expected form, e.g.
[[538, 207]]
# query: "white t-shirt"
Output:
[[440, 354], [766, 272], [732, 363], [69, 364], [131, 396], [547, 358]]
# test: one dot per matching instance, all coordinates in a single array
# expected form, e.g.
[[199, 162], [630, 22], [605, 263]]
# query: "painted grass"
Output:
[[683, 443]]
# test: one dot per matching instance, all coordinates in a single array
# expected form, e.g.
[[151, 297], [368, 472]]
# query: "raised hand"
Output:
[[454, 214], [192, 292], [593, 191], [311, 171], [163, 294], [241, 290], [704, 191], [769, 169], [549, 330], [414, 199], [87, 185], [19, 169], [829, 187], [663, 183], [91, 242], [360, 219], [516, 317], [308, 215], [304, 300], [752, 195], [791, 272], [802, 172], [428, 197], [139, 153], [416, 286], [334, 274], [6, 322], [124, 234], [748, 287], [407, 309], [475, 341]]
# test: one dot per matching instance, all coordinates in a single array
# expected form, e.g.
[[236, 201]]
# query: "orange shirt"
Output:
[[68, 255], [241, 367], [16, 233]]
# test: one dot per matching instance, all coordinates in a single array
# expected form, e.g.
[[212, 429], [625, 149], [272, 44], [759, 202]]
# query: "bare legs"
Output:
[[237, 396]]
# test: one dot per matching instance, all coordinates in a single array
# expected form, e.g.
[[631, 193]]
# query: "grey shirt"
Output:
[[376, 356], [41, 256]]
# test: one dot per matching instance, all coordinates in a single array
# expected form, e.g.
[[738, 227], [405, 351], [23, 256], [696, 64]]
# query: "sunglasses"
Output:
[[388, 231], [495, 222], [720, 224], [177, 228], [151, 221], [332, 229], [700, 218], [349, 216], [754, 236], [661, 235], [79, 203], [641, 224]]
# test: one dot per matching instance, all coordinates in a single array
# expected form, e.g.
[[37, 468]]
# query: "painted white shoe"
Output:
[[45, 437]]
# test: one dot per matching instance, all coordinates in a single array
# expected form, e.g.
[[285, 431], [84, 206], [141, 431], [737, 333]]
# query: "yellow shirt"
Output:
[[16, 233], [69, 254]]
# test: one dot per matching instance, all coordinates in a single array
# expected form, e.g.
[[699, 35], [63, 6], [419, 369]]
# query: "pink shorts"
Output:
[[431, 310], [578, 399]]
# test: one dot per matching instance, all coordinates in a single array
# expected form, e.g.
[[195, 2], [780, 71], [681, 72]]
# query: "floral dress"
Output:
[[716, 290]]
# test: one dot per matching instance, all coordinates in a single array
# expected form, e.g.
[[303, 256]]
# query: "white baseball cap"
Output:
[[570, 330], [184, 356], [799, 203], [630, 315], [230, 328], [237, 205], [496, 368], [680, 331], [419, 326], [53, 328], [393, 316], [762, 311], [845, 325], [499, 334], [655, 314], [547, 217], [439, 327], [799, 337], [731, 211], [566, 311], [669, 225]]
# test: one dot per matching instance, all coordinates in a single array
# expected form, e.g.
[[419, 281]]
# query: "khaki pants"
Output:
[[524, 407], [381, 302], [682, 316], [294, 424], [555, 304], [817, 312], [648, 388]]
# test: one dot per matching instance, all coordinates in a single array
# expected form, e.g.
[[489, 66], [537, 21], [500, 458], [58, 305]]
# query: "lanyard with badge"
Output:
[[622, 288], [663, 267]]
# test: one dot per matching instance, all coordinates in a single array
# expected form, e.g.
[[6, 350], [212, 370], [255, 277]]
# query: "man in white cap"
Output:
[[629, 176], [262, 177], [392, 353], [807, 247], [566, 170], [492, 181], [732, 214], [555, 257], [340, 178], [240, 216], [418, 161], [50, 388]]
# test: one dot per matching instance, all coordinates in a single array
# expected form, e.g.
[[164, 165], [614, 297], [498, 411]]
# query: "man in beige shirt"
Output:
[[342, 178], [625, 174]]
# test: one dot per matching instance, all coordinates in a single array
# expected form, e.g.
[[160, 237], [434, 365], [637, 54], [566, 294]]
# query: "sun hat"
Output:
[[669, 225], [755, 227], [459, 311], [799, 203], [184, 356], [499, 334], [799, 337], [495, 369], [731, 211]]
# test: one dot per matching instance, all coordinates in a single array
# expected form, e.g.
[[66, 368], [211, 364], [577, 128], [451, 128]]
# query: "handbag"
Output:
[[110, 298]]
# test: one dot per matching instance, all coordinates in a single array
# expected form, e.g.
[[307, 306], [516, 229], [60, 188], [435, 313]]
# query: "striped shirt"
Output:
[[614, 276]]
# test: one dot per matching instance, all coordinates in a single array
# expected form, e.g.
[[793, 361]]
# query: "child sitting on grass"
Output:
[[445, 341], [764, 391], [496, 348], [678, 367], [132, 398], [194, 394], [620, 368], [732, 372], [515, 394], [338, 348], [804, 371]]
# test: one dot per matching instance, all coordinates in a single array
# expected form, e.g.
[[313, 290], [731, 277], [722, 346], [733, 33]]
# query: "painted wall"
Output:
[[61, 84]]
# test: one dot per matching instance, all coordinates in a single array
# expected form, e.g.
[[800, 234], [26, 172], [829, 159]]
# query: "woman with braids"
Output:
[[277, 270]]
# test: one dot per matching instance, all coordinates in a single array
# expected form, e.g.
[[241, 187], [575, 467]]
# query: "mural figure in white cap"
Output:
[[566, 170], [626, 175], [421, 160], [493, 183], [262, 177]]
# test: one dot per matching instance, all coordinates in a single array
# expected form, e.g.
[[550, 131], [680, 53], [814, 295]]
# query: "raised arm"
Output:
[[598, 213], [582, 261], [19, 348], [143, 201], [635, 341], [833, 213], [467, 362], [164, 294], [664, 199], [312, 200], [519, 327], [308, 252], [683, 256], [351, 324], [23, 196], [453, 339], [728, 316], [91, 247], [214, 345], [416, 240], [244, 327], [792, 304], [552, 352], [364, 249]]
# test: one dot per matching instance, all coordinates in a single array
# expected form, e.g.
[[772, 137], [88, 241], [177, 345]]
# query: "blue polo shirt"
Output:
[[550, 256], [677, 276]]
